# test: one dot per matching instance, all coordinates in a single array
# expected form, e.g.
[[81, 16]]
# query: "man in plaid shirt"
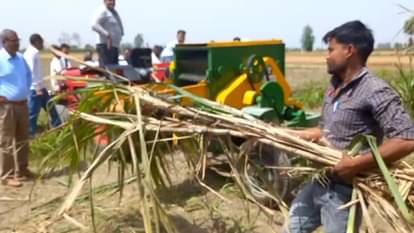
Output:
[[356, 103]]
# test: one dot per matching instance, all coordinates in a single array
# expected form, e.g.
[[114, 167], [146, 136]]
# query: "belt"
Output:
[[4, 100]]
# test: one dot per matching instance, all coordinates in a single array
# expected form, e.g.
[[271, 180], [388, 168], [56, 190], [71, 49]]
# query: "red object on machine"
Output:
[[160, 71], [69, 86]]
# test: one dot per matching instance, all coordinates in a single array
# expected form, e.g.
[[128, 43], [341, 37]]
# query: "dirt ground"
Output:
[[192, 208]]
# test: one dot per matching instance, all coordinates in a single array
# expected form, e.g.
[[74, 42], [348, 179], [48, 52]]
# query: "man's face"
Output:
[[181, 38], [39, 44], [337, 58], [110, 4], [11, 42], [65, 50]]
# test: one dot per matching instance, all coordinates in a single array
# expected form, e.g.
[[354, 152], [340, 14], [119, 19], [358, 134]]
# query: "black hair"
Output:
[[64, 46], [181, 31], [355, 33], [35, 38]]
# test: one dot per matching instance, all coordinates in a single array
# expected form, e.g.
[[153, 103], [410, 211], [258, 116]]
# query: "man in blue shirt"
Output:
[[15, 82]]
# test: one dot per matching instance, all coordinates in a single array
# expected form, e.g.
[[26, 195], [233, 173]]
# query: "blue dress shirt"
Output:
[[15, 76]]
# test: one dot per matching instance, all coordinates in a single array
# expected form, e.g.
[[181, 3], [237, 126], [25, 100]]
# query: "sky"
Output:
[[158, 20]]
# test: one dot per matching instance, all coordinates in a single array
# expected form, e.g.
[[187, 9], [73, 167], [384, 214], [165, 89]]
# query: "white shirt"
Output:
[[106, 22], [32, 57], [168, 51], [122, 61], [56, 66], [155, 59], [89, 63]]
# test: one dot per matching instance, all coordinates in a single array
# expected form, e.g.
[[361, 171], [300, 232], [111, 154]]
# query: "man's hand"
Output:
[[109, 41], [346, 168]]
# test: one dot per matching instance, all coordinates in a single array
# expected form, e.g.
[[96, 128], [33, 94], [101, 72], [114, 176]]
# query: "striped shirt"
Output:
[[366, 105]]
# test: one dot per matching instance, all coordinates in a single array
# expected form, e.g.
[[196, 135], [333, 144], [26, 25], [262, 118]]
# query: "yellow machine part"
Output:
[[234, 93], [249, 98], [281, 80], [240, 92], [199, 89]]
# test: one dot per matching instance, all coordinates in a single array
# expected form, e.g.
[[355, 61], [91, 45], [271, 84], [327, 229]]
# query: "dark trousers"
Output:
[[107, 56], [36, 103]]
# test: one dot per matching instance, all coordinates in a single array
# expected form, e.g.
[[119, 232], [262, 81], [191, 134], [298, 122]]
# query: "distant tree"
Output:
[[139, 40], [76, 40], [126, 45], [384, 45], [398, 45], [65, 38], [307, 38], [88, 47]]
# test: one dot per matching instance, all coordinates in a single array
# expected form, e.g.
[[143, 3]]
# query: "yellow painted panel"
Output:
[[244, 43], [233, 94], [280, 78]]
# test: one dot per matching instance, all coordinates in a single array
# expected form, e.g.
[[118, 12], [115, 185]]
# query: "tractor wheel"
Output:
[[262, 176]]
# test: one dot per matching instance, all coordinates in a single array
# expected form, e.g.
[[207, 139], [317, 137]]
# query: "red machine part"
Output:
[[160, 71]]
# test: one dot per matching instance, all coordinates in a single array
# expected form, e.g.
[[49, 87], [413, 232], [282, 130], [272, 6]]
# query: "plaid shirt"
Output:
[[366, 105]]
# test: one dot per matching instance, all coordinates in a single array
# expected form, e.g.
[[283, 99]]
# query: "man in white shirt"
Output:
[[167, 54], [108, 26], [39, 96], [58, 64], [155, 55]]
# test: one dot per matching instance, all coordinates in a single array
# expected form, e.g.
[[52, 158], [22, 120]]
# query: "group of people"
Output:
[[107, 24], [23, 91]]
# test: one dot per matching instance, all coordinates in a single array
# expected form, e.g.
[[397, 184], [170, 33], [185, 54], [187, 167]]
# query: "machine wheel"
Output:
[[260, 175], [256, 69]]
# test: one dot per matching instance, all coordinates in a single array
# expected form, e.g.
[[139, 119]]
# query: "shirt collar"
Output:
[[5, 54], [336, 81], [31, 47]]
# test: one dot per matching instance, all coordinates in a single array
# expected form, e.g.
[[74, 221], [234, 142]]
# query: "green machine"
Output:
[[246, 75], [249, 76]]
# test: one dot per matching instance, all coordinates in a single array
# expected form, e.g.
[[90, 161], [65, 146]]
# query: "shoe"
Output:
[[11, 182], [26, 174]]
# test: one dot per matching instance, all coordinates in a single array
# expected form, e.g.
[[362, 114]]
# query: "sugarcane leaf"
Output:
[[350, 228], [389, 180]]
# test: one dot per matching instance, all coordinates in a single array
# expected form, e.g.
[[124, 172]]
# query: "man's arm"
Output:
[[387, 109], [97, 24], [391, 151]]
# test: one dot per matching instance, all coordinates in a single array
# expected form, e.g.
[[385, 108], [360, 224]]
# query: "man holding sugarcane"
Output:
[[356, 102]]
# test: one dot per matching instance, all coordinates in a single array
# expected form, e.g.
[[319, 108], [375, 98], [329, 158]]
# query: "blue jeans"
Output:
[[315, 206], [36, 102]]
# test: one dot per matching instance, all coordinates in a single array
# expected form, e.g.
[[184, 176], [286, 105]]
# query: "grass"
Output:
[[311, 95]]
